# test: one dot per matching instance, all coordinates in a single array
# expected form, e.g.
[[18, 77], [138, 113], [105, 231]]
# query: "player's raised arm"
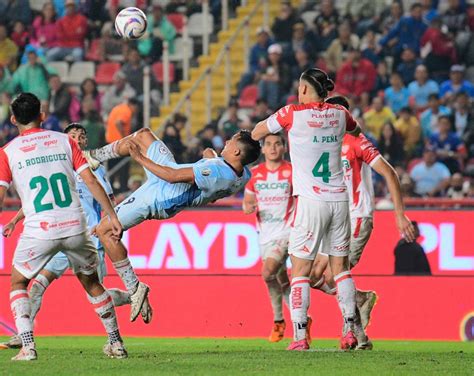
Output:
[[405, 226], [169, 174], [282, 119], [261, 130]]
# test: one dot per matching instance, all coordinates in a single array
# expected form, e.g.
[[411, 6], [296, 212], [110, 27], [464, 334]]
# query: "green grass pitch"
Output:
[[185, 356]]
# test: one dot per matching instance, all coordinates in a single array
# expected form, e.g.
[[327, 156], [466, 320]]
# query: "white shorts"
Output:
[[276, 249], [361, 229], [31, 254], [315, 220]]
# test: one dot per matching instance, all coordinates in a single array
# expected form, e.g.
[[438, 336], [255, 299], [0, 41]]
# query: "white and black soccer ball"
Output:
[[131, 23]]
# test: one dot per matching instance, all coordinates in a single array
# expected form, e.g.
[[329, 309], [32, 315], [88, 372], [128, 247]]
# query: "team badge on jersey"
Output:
[[206, 172], [163, 150]]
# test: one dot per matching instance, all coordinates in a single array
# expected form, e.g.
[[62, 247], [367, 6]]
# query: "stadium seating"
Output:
[[177, 19], [105, 73], [37, 5], [61, 68], [249, 95], [79, 71], [179, 49], [158, 69], [195, 25], [93, 50]]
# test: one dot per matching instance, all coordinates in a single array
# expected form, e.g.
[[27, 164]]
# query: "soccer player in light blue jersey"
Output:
[[56, 267], [170, 187]]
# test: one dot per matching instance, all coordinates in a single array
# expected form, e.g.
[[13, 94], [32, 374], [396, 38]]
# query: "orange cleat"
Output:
[[278, 332]]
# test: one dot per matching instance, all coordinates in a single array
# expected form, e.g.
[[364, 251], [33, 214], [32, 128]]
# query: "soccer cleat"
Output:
[[300, 345], [137, 299], [348, 342], [146, 311], [26, 353], [115, 350], [366, 304], [308, 330], [13, 343], [367, 345], [355, 326], [93, 163], [278, 332]]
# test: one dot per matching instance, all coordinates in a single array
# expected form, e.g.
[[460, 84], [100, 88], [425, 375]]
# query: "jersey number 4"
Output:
[[55, 181], [321, 168]]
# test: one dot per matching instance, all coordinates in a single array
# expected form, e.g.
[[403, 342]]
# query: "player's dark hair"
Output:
[[319, 81], [280, 135], [74, 126], [249, 147], [340, 100], [26, 108], [433, 96]]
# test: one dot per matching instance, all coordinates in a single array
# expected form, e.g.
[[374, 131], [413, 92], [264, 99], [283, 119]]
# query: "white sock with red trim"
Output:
[[119, 297], [21, 309], [105, 152], [125, 270], [346, 294], [37, 290], [299, 303], [324, 287], [104, 307]]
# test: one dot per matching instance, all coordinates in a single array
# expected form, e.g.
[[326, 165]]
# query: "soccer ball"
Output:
[[131, 23]]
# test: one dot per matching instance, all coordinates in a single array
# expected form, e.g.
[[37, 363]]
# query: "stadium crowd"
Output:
[[407, 73]]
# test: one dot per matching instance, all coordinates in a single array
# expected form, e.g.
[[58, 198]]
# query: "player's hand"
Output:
[[134, 150], [209, 153], [8, 229], [249, 208], [117, 229], [406, 228]]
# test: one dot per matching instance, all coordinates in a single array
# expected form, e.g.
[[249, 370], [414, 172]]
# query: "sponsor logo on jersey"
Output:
[[27, 149], [319, 190], [206, 172], [259, 175], [323, 115], [51, 143], [315, 124], [44, 226], [286, 173], [274, 185]]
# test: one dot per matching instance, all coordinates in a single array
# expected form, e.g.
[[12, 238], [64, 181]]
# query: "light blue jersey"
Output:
[[92, 209], [158, 199]]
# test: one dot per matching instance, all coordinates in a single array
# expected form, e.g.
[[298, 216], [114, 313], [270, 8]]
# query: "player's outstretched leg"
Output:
[[103, 305], [144, 137], [269, 273]]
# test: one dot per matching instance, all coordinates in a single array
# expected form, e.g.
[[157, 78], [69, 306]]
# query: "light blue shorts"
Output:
[[59, 264]]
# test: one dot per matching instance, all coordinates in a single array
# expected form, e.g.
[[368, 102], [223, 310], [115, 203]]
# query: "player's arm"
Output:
[[169, 174], [249, 204], [404, 224], [352, 127], [209, 153], [261, 130], [10, 226]]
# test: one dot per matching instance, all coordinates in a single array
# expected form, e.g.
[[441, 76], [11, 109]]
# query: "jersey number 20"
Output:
[[54, 181], [321, 168]]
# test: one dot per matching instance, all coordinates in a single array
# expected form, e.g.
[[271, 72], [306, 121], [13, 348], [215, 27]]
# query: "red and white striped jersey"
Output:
[[41, 164], [273, 192], [315, 133], [358, 154]]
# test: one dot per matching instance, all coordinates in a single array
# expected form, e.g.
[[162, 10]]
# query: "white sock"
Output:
[[125, 270], [299, 306], [119, 297], [37, 290], [106, 152], [324, 287], [346, 293], [104, 307], [21, 309], [274, 290]]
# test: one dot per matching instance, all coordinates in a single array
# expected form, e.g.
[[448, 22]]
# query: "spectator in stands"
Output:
[[298, 42], [369, 47], [407, 32], [458, 188], [377, 116], [31, 77], [20, 36], [110, 47], [339, 48], [429, 11], [382, 80], [51, 121], [429, 117], [60, 7], [409, 128], [455, 17], [276, 81], [88, 90], [431, 177], [120, 124], [442, 51], [408, 65], [5, 79], [396, 95], [115, 6], [133, 70], [410, 257], [407, 186], [448, 146], [421, 88], [172, 139], [12, 11], [260, 112], [60, 98], [71, 31], [463, 119], [8, 131], [45, 32], [396, 13], [326, 25], [8, 50], [456, 84], [92, 122], [258, 58], [365, 14], [120, 91], [356, 78], [302, 63], [283, 24], [232, 122], [159, 30], [390, 145]]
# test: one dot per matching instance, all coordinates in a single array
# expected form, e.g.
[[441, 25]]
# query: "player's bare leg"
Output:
[[104, 307], [285, 286], [299, 302], [143, 137], [119, 256], [270, 271]]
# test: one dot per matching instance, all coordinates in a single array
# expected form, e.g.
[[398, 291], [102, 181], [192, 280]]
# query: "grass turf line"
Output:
[[183, 356]]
